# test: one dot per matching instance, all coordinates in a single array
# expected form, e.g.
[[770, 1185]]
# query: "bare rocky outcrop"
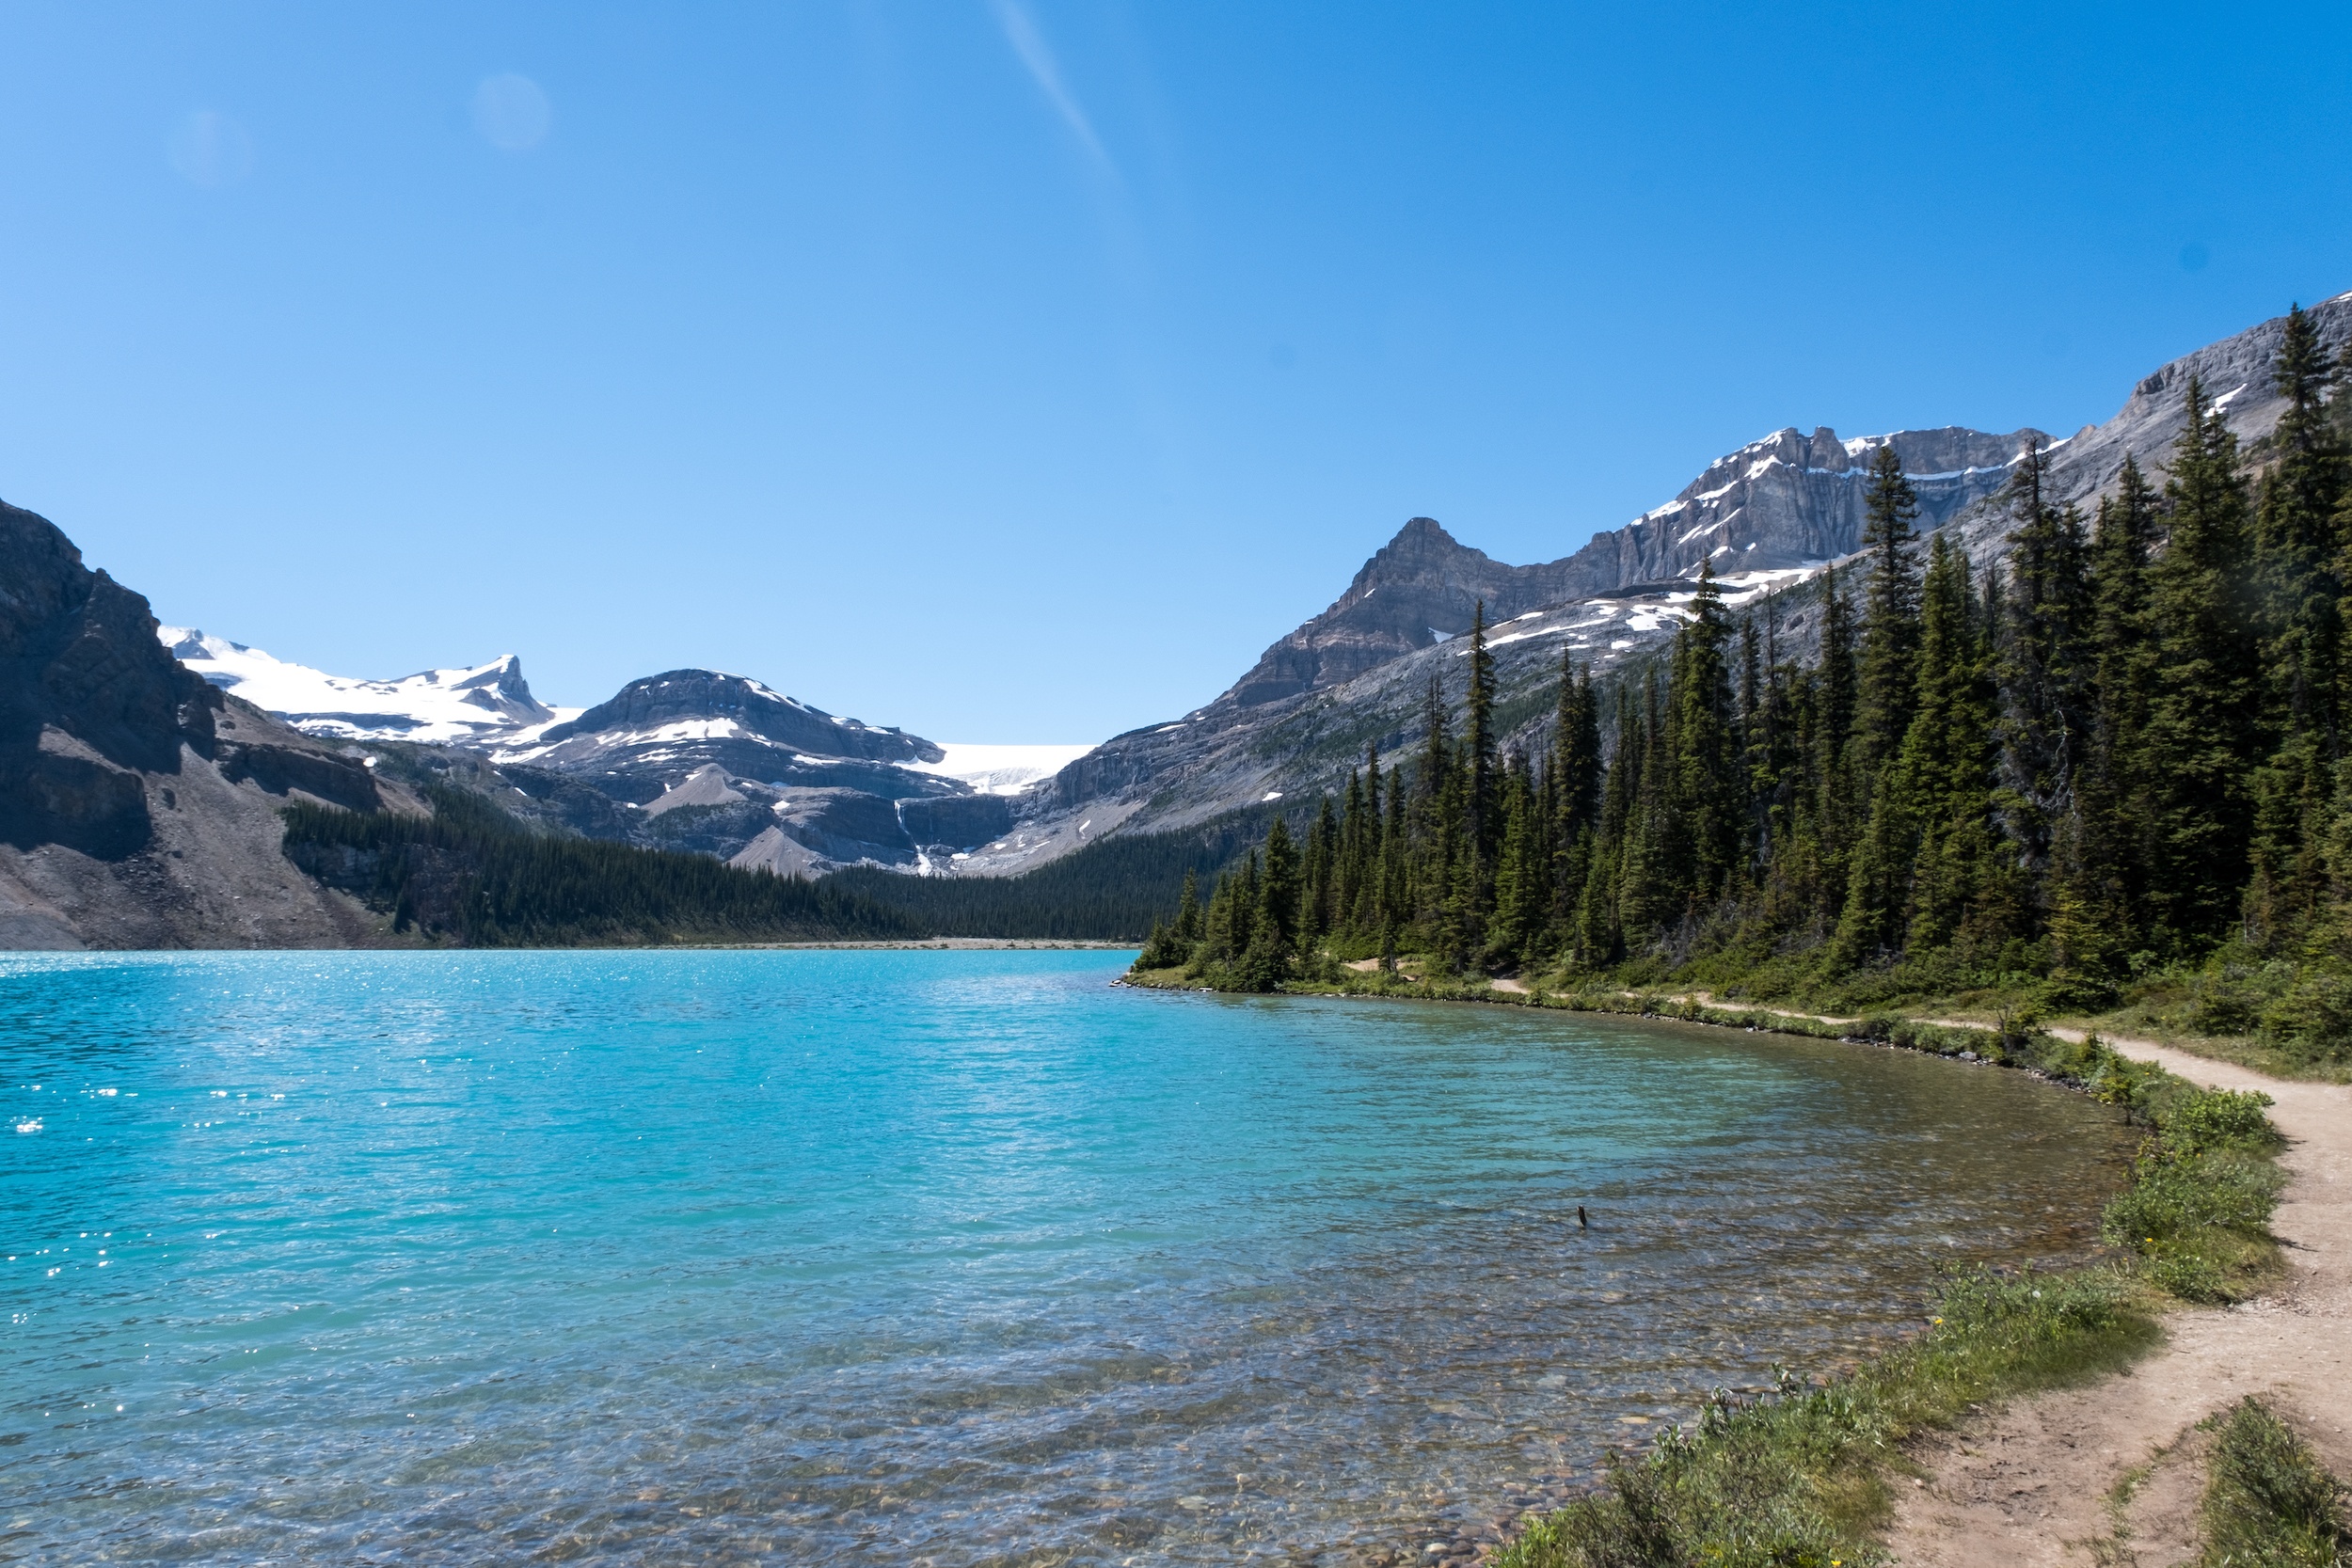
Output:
[[138, 807], [1787, 501], [2233, 374]]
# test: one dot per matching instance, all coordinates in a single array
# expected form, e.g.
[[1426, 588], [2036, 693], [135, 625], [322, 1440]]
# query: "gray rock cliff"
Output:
[[138, 807]]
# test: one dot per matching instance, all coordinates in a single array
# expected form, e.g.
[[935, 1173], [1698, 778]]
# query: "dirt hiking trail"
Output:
[[2112, 1474]]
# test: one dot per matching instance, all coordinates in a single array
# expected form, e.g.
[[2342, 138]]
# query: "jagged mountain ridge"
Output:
[[720, 763], [93, 738], [774, 783], [1781, 505], [1292, 726], [2234, 372], [478, 704]]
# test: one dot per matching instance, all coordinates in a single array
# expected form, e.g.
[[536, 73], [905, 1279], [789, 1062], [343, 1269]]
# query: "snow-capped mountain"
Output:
[[797, 789], [721, 764], [488, 704], [1763, 513]]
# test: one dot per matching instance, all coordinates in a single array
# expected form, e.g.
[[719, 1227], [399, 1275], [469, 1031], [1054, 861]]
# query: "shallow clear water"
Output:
[[879, 1257]]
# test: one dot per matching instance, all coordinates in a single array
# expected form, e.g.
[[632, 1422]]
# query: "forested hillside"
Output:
[[472, 874], [2118, 754], [1110, 891]]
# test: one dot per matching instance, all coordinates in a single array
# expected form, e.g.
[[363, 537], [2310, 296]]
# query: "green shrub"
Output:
[[2311, 1022], [2220, 1119]]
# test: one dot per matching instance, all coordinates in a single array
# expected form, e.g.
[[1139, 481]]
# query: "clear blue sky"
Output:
[[1016, 371]]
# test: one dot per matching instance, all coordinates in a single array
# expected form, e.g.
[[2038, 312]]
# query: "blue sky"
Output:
[[1016, 371]]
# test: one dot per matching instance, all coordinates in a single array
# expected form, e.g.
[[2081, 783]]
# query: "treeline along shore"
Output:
[[2111, 764], [2106, 770]]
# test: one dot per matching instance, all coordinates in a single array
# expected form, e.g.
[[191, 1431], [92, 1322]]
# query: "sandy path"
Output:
[[2044, 1481]]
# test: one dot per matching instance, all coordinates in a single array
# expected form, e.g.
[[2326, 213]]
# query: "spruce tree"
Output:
[[2095, 901], [1520, 894], [1887, 680], [1481, 823], [1577, 762], [1837, 816], [2299, 590], [2204, 716], [1960, 880], [1708, 798], [2046, 662]]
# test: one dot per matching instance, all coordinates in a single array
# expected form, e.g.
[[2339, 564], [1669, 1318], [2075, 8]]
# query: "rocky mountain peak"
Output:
[[709, 702], [1766, 513]]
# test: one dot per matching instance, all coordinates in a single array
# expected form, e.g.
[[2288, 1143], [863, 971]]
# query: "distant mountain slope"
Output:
[[487, 703], [139, 806], [1778, 505], [689, 759], [723, 764], [2235, 373], [1768, 516]]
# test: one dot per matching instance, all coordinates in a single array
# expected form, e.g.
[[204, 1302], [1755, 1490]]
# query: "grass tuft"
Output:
[[1799, 1480], [2268, 1501]]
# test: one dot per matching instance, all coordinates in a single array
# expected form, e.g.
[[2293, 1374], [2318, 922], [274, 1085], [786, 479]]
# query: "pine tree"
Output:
[[1577, 763], [1651, 885], [2103, 878], [1837, 811], [1960, 881], [2046, 662], [1322, 843], [1599, 931], [2203, 721], [1481, 822], [1708, 798], [1888, 677], [1521, 895], [2299, 592], [1280, 893]]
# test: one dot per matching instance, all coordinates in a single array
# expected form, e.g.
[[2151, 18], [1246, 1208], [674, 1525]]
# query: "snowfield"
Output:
[[487, 702], [998, 770]]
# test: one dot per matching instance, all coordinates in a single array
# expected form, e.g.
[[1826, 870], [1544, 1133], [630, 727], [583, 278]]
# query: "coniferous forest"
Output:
[[472, 874], [2115, 754]]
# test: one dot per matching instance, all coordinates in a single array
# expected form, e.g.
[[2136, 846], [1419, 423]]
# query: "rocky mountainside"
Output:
[[137, 804], [689, 759], [1767, 516], [1767, 512], [2235, 373], [720, 763]]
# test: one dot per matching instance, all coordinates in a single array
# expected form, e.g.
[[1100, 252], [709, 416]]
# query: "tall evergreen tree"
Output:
[[1838, 808], [1959, 881], [2098, 868], [1481, 822], [2203, 719], [1708, 798], [2299, 592], [2045, 661], [1886, 679]]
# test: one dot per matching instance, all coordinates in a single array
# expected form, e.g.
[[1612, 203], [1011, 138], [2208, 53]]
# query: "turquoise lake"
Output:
[[888, 1257]]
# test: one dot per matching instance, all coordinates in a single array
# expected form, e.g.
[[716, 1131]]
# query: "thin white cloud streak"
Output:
[[1037, 57]]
